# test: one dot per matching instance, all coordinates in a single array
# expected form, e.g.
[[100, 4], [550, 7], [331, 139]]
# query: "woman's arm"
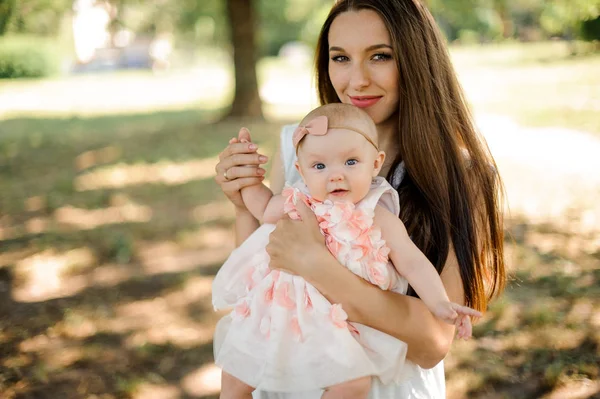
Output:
[[298, 247], [239, 167], [245, 222], [241, 162]]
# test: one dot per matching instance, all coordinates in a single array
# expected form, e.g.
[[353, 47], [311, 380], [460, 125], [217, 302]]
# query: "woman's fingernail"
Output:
[[260, 171], [262, 158], [252, 147]]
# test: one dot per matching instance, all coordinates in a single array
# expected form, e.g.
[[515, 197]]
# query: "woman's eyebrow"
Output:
[[370, 48]]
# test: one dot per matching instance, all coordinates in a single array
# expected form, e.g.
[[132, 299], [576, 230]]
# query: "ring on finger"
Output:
[[225, 175]]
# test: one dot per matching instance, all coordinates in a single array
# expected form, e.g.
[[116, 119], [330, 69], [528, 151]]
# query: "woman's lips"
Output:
[[364, 101]]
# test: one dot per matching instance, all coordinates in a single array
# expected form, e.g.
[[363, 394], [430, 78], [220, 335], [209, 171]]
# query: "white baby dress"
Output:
[[283, 335]]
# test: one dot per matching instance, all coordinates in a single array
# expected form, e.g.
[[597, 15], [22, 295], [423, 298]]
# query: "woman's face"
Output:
[[362, 65]]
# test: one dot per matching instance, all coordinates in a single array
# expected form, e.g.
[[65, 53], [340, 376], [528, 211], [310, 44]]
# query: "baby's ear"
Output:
[[297, 165], [378, 163]]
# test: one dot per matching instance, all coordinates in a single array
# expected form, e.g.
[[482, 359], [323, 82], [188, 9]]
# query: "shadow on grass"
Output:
[[541, 335], [153, 324], [36, 335], [522, 373]]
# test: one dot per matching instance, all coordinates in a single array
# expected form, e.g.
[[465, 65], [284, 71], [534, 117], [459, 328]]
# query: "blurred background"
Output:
[[112, 116]]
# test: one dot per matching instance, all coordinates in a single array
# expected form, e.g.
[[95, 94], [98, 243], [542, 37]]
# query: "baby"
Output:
[[283, 335]]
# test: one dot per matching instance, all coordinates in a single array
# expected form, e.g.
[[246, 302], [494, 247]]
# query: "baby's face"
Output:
[[338, 166]]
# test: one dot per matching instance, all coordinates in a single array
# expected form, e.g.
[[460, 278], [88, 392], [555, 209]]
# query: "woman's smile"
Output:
[[364, 101]]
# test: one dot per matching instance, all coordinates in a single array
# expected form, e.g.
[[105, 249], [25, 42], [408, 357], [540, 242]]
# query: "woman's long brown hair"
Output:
[[451, 194]]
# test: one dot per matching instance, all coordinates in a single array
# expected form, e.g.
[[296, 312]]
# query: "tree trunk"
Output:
[[7, 8], [246, 102], [503, 11]]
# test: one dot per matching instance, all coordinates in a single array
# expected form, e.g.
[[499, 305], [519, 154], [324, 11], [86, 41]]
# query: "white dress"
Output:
[[283, 335], [423, 384]]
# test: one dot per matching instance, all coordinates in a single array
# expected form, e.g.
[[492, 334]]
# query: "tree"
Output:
[[564, 17], [502, 9], [7, 8], [241, 15]]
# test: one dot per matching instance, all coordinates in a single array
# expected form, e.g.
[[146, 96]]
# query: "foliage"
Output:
[[590, 29], [281, 21], [27, 56], [38, 17], [561, 17], [7, 8], [286, 21]]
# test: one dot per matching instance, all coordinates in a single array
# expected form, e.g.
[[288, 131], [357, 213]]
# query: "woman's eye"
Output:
[[339, 58], [319, 166], [351, 162], [382, 57]]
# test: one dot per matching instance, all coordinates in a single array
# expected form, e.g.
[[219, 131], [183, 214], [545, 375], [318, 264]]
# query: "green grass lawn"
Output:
[[111, 229], [537, 85]]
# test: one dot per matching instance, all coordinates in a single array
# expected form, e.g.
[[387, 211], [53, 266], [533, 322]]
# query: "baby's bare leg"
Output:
[[232, 388], [355, 389]]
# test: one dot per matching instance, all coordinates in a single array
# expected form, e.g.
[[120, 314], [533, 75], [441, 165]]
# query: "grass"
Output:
[[537, 85], [43, 161], [105, 290], [541, 335]]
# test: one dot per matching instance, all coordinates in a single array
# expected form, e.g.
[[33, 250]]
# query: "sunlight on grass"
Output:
[[204, 381], [57, 354], [156, 391], [100, 156], [164, 172], [101, 94], [85, 219], [42, 276], [535, 84], [167, 257], [154, 321], [580, 389], [218, 210]]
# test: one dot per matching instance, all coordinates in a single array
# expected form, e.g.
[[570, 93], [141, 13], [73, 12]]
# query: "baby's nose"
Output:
[[336, 176]]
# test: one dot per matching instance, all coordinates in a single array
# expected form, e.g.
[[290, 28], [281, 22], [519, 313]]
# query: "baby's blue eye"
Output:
[[319, 166], [351, 162]]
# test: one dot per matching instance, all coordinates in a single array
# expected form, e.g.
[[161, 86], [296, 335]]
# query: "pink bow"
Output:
[[316, 127]]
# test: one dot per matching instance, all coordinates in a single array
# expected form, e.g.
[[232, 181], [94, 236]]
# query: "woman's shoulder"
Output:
[[288, 130], [288, 153], [286, 143]]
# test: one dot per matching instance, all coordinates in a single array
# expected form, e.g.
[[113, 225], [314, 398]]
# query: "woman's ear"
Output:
[[378, 163]]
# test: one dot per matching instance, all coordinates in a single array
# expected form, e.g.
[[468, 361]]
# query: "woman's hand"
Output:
[[239, 167], [297, 246]]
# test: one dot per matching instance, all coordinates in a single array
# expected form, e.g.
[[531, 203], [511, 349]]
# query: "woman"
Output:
[[389, 58]]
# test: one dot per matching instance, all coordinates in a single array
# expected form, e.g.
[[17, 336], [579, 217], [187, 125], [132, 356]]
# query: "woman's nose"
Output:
[[360, 76]]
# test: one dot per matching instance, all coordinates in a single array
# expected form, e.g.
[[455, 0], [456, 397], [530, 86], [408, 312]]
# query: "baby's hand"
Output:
[[458, 315], [244, 137]]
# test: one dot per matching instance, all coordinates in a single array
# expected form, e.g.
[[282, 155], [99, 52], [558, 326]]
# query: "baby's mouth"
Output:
[[339, 192]]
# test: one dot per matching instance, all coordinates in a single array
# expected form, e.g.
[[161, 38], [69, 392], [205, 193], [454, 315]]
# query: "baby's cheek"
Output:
[[360, 191], [317, 189]]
